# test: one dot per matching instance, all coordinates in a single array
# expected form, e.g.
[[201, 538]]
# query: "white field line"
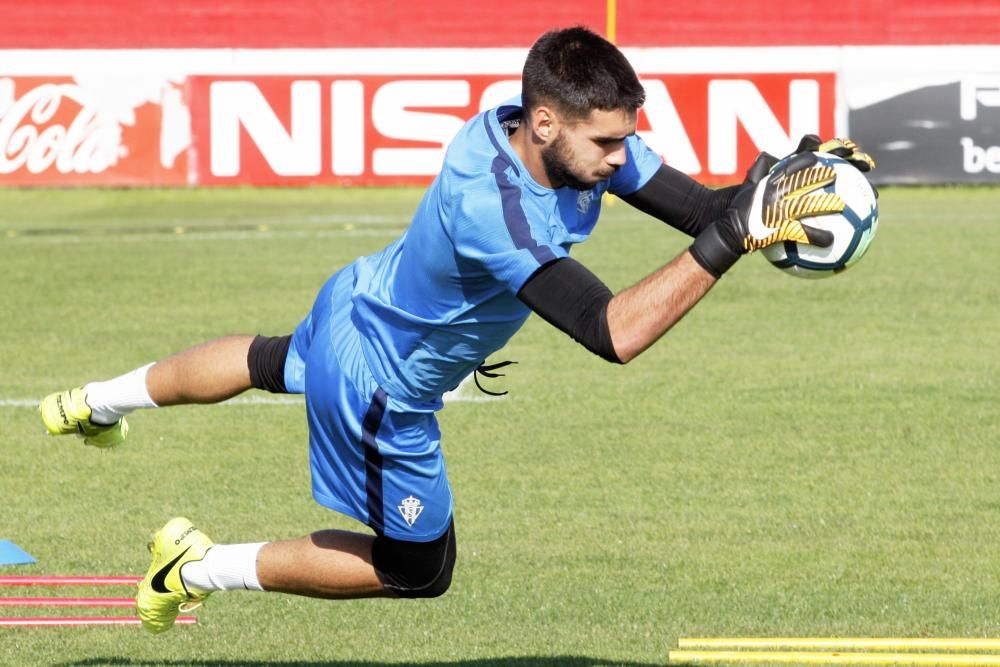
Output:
[[327, 219], [189, 235], [125, 230]]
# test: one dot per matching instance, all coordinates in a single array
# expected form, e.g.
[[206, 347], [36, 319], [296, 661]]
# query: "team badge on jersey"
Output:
[[410, 508], [583, 201]]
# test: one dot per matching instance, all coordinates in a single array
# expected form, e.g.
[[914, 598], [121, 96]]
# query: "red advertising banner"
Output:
[[112, 24], [92, 131], [381, 130], [363, 130], [712, 126]]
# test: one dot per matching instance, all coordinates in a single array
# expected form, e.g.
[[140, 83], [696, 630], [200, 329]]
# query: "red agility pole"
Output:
[[67, 602], [66, 621], [30, 580]]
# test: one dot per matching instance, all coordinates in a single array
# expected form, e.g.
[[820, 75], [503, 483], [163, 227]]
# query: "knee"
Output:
[[415, 569]]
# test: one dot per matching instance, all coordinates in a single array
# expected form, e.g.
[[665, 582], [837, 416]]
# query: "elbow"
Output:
[[614, 357], [605, 348], [623, 359], [622, 346], [622, 353], [602, 342]]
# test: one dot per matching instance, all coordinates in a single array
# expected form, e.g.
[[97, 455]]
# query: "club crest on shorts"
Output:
[[410, 508]]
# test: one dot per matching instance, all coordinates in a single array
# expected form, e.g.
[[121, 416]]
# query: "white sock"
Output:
[[112, 399], [225, 567]]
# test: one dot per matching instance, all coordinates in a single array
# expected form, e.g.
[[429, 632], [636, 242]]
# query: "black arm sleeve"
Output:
[[568, 296], [680, 201]]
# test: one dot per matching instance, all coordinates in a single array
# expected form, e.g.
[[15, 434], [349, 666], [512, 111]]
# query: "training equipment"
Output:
[[67, 412], [853, 228], [162, 593], [67, 621], [831, 658], [843, 643], [834, 651], [57, 580], [67, 602], [11, 554]]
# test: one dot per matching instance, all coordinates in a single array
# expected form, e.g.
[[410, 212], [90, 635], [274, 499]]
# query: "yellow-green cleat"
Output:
[[67, 412], [162, 593]]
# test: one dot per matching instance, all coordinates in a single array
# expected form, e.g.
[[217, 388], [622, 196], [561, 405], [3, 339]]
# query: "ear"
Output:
[[544, 123]]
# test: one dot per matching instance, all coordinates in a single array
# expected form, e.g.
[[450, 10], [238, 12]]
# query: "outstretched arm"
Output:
[[616, 327], [619, 327], [686, 205], [640, 315]]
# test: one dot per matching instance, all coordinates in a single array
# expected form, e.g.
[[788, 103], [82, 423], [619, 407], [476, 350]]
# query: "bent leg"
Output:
[[331, 564]]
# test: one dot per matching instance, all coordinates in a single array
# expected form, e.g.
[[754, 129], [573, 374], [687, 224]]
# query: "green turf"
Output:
[[796, 458]]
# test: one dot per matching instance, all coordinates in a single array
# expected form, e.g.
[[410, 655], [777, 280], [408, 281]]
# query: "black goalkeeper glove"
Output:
[[767, 209], [843, 148]]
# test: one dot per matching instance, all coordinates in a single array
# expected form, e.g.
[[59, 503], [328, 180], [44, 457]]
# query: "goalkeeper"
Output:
[[390, 333]]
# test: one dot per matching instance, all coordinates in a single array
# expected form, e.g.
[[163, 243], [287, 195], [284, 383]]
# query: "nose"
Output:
[[617, 157]]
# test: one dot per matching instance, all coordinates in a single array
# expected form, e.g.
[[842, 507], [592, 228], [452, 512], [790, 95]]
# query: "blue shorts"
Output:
[[371, 458]]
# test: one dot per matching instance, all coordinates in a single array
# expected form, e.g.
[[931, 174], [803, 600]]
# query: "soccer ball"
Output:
[[853, 230]]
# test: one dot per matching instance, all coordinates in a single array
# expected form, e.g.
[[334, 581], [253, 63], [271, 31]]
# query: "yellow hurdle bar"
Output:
[[843, 644], [831, 658]]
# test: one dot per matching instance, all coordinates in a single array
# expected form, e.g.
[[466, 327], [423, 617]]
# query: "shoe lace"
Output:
[[487, 370], [190, 605]]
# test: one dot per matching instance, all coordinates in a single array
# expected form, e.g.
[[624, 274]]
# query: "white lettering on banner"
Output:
[[667, 135], [976, 91], [976, 159], [739, 102], [77, 127], [498, 93], [347, 134], [87, 145], [296, 152], [381, 128], [175, 131], [392, 119]]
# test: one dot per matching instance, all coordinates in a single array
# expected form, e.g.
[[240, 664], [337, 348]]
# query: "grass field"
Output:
[[796, 458]]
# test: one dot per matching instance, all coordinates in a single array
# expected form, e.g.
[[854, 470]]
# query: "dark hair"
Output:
[[577, 71]]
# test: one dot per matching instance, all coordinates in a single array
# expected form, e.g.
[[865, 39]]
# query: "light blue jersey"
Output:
[[441, 299], [407, 324]]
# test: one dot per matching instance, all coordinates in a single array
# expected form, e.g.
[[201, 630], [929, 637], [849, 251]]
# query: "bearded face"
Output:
[[564, 166], [560, 165]]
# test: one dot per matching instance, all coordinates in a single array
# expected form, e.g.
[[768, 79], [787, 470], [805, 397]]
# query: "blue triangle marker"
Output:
[[11, 554]]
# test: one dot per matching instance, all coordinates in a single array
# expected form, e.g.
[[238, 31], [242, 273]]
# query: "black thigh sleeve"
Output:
[[567, 295], [680, 201], [415, 569], [266, 361]]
